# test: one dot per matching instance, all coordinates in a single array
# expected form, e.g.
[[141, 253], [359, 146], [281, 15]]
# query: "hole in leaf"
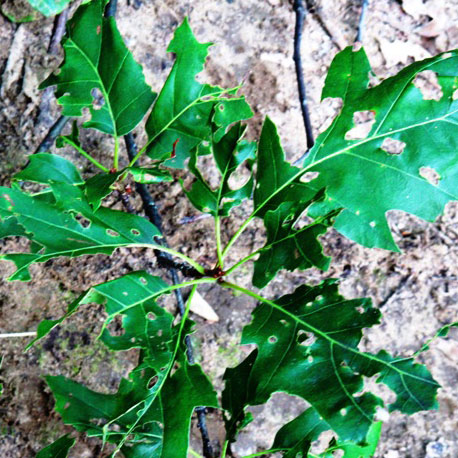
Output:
[[272, 339], [427, 83], [357, 46], [99, 100], [360, 310], [310, 359], [114, 327], [159, 333], [393, 146], [143, 280], [284, 323], [331, 108], [430, 175], [152, 382], [133, 339], [305, 338], [151, 316], [372, 224], [221, 107], [338, 453], [135, 231], [308, 176], [319, 298], [363, 121], [309, 304], [455, 95], [67, 405], [343, 412], [112, 233], [125, 293], [83, 221]]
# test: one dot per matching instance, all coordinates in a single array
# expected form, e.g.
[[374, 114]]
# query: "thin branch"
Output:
[[153, 215], [52, 134], [110, 9], [362, 22], [17, 334], [58, 32], [299, 9]]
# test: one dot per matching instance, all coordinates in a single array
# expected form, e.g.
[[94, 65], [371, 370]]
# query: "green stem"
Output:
[[265, 452], [225, 446], [85, 154], [194, 453], [242, 261], [218, 241], [116, 154], [189, 260]]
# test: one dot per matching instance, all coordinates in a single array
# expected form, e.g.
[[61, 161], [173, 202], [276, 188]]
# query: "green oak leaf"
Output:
[[307, 344], [66, 224], [96, 58], [151, 412], [49, 7], [229, 152], [58, 449], [184, 109], [366, 176], [289, 248], [297, 435]]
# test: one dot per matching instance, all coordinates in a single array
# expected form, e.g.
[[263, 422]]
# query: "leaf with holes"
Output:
[[307, 345], [289, 248], [185, 109], [405, 160], [99, 72], [230, 152], [64, 224], [297, 435], [155, 403]]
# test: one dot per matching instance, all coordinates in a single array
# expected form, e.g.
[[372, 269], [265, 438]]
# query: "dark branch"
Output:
[[361, 23], [110, 9], [136, 3], [58, 32], [166, 260], [52, 134], [299, 9]]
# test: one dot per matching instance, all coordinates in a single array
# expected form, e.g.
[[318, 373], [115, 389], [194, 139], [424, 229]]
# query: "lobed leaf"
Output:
[[61, 222], [307, 345], [289, 248], [230, 152], [367, 176], [96, 59], [151, 412], [185, 108]]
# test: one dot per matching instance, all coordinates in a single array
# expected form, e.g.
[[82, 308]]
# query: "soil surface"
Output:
[[417, 290]]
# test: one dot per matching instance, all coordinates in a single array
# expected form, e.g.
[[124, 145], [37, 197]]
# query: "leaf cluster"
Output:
[[308, 342]]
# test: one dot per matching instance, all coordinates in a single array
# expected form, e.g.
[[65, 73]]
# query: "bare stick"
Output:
[[361, 23], [299, 9], [153, 215], [110, 9], [58, 32], [52, 134], [17, 334]]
